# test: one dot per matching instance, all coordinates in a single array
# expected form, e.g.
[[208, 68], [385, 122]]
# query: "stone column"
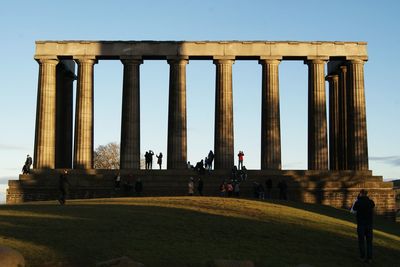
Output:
[[270, 117], [130, 124], [343, 150], [64, 118], [358, 147], [83, 149], [317, 133], [45, 138], [333, 121], [223, 136], [177, 136]]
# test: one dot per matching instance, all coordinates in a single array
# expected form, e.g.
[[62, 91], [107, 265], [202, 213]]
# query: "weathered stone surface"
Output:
[[130, 123], [317, 126], [11, 258], [270, 116], [358, 146], [83, 149], [177, 134], [114, 49], [45, 134], [120, 262], [223, 129]]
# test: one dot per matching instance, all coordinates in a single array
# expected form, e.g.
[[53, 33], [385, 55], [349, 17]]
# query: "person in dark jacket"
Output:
[[364, 208], [63, 184], [200, 186]]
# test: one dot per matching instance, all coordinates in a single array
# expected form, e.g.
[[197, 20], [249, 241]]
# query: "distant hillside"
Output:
[[189, 231]]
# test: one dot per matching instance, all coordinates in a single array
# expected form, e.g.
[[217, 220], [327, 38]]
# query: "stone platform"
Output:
[[334, 188]]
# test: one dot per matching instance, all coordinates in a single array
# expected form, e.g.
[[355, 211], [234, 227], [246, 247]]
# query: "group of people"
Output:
[[229, 188], [148, 157], [191, 186], [128, 185], [203, 165]]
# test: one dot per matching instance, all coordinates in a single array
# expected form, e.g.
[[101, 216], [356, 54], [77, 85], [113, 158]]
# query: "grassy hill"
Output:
[[189, 231]]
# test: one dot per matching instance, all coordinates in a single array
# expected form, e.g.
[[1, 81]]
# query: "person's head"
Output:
[[27, 156], [363, 193]]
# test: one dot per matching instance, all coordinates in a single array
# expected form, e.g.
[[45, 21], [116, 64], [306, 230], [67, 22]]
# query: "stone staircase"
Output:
[[334, 188]]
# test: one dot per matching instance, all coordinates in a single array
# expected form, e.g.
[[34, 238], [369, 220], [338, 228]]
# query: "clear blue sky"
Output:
[[376, 22]]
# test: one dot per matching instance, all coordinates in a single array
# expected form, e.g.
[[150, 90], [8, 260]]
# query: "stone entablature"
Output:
[[286, 50]]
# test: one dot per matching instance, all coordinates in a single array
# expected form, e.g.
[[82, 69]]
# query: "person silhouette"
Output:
[[159, 159], [364, 208]]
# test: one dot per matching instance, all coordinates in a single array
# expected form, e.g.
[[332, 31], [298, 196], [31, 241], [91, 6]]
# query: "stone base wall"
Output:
[[337, 189]]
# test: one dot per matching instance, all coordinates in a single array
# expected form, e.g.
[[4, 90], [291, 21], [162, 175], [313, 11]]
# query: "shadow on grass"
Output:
[[160, 236], [380, 223]]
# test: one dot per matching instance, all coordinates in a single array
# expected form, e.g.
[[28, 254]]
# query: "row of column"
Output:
[[347, 116], [348, 131]]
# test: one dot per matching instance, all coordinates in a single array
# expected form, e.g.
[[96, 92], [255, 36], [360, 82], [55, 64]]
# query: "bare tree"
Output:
[[107, 156]]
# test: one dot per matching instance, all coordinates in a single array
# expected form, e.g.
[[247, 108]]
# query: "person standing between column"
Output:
[[159, 159], [240, 155], [64, 187], [364, 207], [151, 154]]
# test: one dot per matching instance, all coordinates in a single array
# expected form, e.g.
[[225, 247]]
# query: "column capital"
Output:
[[224, 60], [131, 60], [85, 59], [47, 59], [316, 60], [332, 77], [270, 60], [343, 68], [355, 58], [356, 61], [178, 60]]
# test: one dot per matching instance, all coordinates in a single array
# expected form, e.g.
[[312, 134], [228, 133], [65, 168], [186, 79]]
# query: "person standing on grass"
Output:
[[364, 208], [200, 186], [64, 187], [191, 187]]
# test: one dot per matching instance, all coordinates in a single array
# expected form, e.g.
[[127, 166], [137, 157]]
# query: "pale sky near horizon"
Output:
[[24, 22]]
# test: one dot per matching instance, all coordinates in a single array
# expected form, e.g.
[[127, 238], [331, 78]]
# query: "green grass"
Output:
[[189, 231]]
